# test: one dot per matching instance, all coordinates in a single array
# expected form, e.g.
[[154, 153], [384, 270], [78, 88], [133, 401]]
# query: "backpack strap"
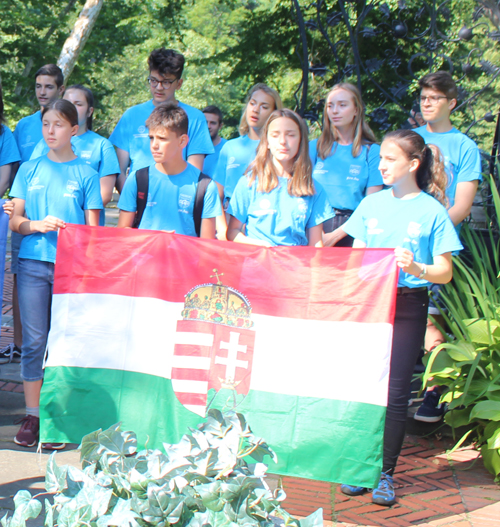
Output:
[[142, 177], [201, 188]]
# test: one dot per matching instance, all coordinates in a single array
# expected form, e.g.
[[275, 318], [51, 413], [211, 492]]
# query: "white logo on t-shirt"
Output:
[[302, 204], [71, 186], [319, 165], [141, 129], [265, 204], [34, 184], [184, 202], [414, 229], [231, 163], [354, 171], [371, 225], [86, 154], [264, 208]]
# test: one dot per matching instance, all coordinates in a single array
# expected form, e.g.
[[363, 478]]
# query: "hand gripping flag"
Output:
[[152, 329]]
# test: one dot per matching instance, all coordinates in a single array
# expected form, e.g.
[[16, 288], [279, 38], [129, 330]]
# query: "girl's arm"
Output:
[[5, 171], [92, 217], [314, 236], [208, 228], [235, 234], [18, 223], [332, 238], [440, 272], [358, 244]]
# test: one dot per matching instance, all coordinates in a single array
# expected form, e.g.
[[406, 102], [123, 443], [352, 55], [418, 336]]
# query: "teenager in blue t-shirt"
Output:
[[9, 153], [345, 159], [47, 192], [408, 218], [172, 181], [278, 201], [213, 115], [462, 160], [95, 150], [49, 86], [237, 154], [130, 135]]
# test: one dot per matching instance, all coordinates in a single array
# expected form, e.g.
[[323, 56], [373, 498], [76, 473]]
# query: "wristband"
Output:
[[423, 272]]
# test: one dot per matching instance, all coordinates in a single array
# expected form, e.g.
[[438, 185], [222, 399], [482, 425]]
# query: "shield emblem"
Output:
[[214, 345]]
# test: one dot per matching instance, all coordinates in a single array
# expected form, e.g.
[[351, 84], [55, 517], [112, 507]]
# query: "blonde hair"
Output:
[[278, 105], [431, 175], [363, 134], [264, 171]]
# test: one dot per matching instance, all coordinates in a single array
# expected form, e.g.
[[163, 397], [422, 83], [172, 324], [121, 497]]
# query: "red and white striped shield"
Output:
[[209, 355]]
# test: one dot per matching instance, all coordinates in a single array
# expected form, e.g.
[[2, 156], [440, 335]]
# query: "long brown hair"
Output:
[[431, 175], [263, 169], [363, 134], [244, 128]]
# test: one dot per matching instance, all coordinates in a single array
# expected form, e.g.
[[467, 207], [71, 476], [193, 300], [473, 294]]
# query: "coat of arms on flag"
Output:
[[214, 344]]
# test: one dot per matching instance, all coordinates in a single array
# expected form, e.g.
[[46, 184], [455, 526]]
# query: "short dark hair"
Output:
[[441, 81], [65, 108], [166, 61], [215, 110], [168, 115], [89, 96], [52, 70]]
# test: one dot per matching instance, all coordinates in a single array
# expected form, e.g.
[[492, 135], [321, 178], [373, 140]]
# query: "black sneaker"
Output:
[[10, 353], [431, 410]]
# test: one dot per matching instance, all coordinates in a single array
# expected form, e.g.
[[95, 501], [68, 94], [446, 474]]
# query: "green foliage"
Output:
[[469, 364], [202, 481]]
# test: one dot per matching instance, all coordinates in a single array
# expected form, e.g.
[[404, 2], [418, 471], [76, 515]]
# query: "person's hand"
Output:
[[404, 260], [8, 208], [260, 243], [48, 224], [168, 232]]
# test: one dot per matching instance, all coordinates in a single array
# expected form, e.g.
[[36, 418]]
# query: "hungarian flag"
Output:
[[152, 329]]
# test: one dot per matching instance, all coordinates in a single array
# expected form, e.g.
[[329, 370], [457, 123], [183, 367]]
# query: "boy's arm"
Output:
[[464, 197], [92, 217], [196, 160], [207, 228], [124, 161], [126, 219]]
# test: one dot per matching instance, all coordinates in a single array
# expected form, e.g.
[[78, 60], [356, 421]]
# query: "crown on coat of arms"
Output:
[[217, 303]]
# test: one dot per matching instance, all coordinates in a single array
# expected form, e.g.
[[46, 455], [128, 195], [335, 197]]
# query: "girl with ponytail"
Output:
[[410, 216]]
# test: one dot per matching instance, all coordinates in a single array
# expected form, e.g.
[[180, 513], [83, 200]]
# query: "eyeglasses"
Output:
[[165, 83], [433, 99]]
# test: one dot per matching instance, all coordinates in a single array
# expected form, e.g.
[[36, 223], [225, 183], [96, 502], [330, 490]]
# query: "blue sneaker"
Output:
[[384, 494], [351, 490], [430, 410]]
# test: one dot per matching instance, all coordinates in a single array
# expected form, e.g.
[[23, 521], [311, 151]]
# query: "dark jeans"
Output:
[[408, 339], [334, 223]]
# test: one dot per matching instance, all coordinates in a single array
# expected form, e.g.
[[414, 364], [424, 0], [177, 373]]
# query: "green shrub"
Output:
[[203, 481], [469, 363]]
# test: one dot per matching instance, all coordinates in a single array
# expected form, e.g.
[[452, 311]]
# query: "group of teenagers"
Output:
[[268, 187]]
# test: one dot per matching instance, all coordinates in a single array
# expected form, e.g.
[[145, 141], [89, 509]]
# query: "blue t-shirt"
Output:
[[211, 160], [27, 134], [170, 200], [276, 216], [421, 225], [234, 159], [462, 159], [95, 150], [8, 148], [63, 190], [345, 178], [131, 134]]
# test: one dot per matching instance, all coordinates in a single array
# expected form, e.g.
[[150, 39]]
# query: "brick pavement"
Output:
[[433, 488]]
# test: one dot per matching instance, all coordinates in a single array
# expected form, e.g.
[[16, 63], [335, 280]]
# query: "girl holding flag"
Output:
[[411, 217], [345, 159], [277, 200], [48, 191]]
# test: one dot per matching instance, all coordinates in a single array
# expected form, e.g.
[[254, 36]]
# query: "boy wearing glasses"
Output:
[[438, 97], [130, 135]]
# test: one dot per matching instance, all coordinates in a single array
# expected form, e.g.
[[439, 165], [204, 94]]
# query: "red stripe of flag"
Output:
[[186, 374]]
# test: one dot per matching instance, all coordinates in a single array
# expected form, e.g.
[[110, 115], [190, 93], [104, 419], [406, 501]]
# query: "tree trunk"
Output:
[[81, 32]]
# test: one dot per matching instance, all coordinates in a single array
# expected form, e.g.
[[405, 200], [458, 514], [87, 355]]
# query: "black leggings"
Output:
[[408, 339]]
